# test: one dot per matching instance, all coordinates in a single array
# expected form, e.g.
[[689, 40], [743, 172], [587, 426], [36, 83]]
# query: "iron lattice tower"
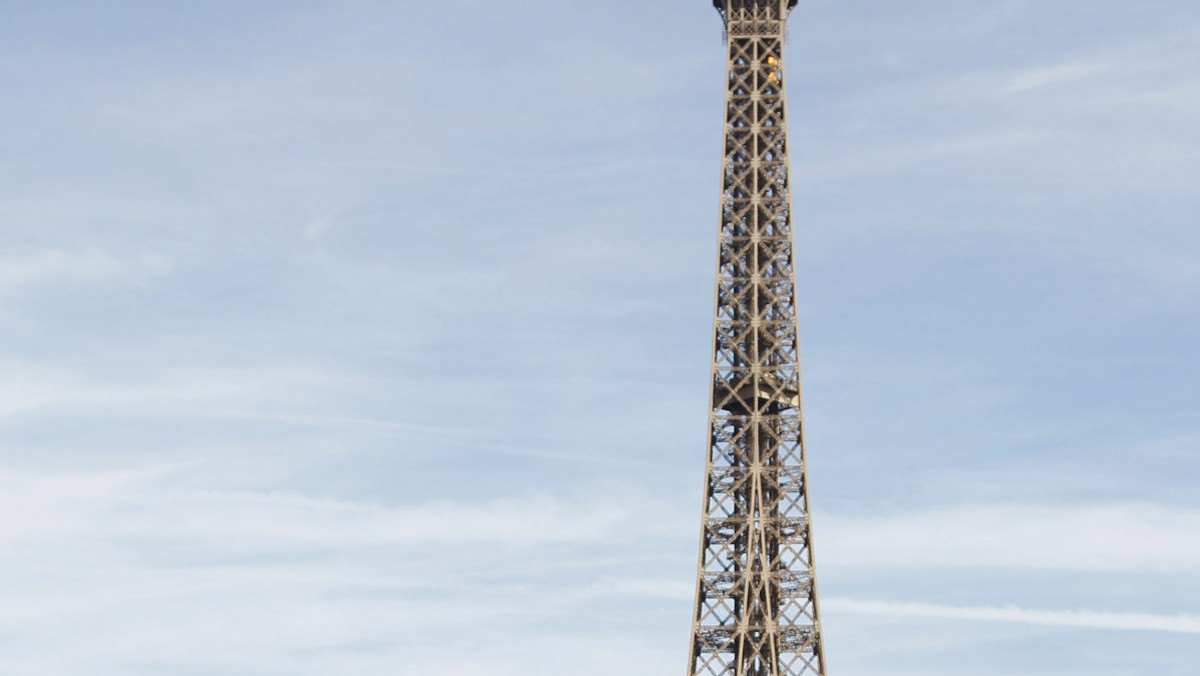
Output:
[[756, 596]]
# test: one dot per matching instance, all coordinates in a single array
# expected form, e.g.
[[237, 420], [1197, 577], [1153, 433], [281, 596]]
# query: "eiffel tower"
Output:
[[756, 608]]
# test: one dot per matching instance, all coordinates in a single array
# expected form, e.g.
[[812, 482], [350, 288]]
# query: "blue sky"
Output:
[[373, 337]]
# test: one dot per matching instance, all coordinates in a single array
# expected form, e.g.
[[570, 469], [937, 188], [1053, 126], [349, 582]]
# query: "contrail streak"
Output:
[[1186, 624]]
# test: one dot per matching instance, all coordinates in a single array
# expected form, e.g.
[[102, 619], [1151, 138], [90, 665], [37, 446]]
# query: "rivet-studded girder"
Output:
[[756, 596]]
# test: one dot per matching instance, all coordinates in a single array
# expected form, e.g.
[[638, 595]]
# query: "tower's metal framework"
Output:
[[756, 610]]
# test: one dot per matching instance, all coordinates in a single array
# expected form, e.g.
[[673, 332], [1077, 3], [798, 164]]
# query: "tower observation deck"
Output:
[[756, 611], [724, 5]]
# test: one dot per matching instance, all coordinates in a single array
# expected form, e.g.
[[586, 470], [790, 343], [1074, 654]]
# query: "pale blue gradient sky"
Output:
[[373, 337]]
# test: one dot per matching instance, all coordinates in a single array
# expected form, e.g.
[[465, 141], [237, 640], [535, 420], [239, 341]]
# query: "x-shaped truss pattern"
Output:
[[756, 598]]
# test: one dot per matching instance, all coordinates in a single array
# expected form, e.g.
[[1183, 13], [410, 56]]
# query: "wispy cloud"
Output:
[[63, 266], [1084, 619], [1152, 538], [306, 575], [1058, 74], [30, 388], [233, 579], [141, 506]]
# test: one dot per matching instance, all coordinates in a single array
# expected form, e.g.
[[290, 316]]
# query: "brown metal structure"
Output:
[[756, 610]]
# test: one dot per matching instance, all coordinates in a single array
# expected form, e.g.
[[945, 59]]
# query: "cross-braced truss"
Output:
[[756, 597]]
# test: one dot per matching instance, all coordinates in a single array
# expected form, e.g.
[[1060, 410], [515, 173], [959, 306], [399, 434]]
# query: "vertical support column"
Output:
[[756, 610]]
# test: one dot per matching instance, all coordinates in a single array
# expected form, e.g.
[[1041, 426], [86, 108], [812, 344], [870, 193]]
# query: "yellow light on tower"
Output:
[[773, 68]]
